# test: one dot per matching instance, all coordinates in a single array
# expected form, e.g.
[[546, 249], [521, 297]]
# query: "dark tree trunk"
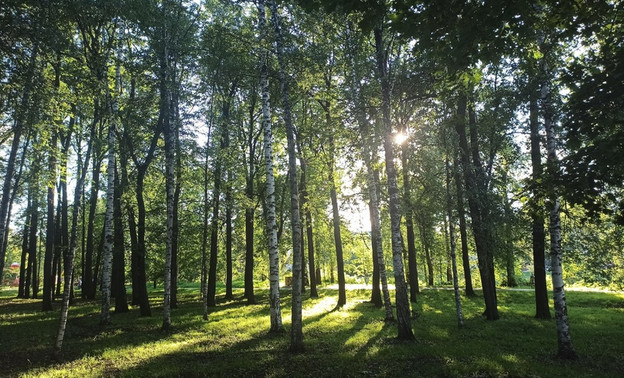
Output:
[[32, 273], [542, 309], [376, 290], [118, 283], [251, 144], [214, 236], [308, 226], [228, 241], [426, 243], [48, 268], [88, 286], [10, 164], [461, 214], [342, 291], [412, 277], [204, 247], [473, 178], [249, 248], [175, 236], [21, 293]]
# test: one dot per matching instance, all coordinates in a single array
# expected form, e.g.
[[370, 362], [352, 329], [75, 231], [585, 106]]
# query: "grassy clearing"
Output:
[[351, 341]]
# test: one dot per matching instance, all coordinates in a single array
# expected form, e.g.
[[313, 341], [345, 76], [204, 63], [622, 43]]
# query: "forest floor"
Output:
[[350, 341]]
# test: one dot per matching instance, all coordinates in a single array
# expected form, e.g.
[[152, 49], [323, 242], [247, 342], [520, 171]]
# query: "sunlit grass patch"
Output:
[[352, 340]]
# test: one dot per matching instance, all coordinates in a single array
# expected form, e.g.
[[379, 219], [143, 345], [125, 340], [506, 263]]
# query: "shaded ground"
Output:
[[352, 341]]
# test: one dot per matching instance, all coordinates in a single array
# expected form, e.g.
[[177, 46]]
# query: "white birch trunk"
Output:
[[376, 231], [296, 337], [70, 258], [110, 199], [564, 338], [271, 224], [402, 302], [368, 141]]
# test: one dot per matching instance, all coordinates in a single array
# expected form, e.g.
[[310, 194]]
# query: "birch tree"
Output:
[[110, 204], [564, 338], [296, 336], [271, 224], [402, 301]]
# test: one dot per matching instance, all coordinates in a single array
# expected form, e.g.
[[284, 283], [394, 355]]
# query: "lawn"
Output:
[[351, 341]]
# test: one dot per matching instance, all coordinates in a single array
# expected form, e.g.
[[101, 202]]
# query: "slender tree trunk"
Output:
[[368, 148], [204, 262], [228, 239], [110, 205], [31, 273], [477, 204], [451, 227], [214, 234], [166, 109], [118, 283], [342, 291], [564, 338], [48, 268], [426, 242], [296, 338], [409, 228], [461, 214], [141, 249], [402, 302], [271, 222], [33, 220], [376, 291], [249, 248], [32, 276], [10, 164], [308, 225], [251, 168], [88, 286], [22, 268], [175, 245], [71, 251], [542, 308]]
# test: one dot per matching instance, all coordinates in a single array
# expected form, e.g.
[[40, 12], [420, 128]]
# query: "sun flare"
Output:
[[400, 138]]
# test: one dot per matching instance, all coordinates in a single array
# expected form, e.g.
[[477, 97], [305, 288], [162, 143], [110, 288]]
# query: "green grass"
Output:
[[352, 341]]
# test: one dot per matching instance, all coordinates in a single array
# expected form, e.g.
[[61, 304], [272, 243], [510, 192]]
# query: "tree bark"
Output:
[[451, 227], [271, 223], [342, 291], [48, 268], [110, 205], [21, 293], [71, 251], [88, 282], [409, 228], [308, 225], [10, 164], [542, 308], [402, 302], [477, 204], [564, 339], [461, 214], [296, 337], [251, 169], [31, 273], [175, 246], [118, 283]]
